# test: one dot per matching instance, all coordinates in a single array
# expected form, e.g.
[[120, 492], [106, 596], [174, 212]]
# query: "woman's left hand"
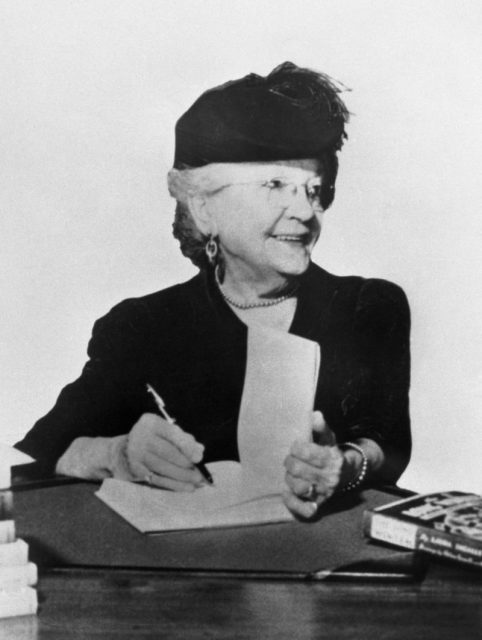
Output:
[[313, 470]]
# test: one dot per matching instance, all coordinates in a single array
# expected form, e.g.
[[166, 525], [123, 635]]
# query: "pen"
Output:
[[162, 408]]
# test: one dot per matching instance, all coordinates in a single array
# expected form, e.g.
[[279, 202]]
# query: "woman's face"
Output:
[[267, 217]]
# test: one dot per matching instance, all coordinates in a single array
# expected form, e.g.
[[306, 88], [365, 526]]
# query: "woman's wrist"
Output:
[[94, 458], [119, 459], [355, 466]]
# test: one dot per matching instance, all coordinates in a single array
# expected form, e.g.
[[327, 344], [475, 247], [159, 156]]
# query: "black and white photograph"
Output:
[[241, 285]]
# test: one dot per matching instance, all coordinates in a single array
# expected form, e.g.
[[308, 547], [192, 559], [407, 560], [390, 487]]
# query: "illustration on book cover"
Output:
[[455, 514]]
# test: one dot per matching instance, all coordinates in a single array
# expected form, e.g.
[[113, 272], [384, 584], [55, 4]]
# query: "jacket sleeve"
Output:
[[381, 334], [100, 402]]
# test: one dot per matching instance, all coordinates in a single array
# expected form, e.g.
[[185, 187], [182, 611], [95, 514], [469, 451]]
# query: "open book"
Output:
[[278, 395]]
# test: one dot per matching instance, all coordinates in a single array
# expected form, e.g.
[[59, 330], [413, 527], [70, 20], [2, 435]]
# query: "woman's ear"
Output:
[[205, 222]]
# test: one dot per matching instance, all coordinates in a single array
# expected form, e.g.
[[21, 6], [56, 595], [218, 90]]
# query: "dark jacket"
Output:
[[189, 345]]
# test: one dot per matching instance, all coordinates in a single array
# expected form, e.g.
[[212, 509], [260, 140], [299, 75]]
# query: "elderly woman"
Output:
[[255, 169]]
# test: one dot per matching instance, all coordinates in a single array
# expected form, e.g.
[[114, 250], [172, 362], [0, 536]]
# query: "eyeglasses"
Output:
[[280, 192]]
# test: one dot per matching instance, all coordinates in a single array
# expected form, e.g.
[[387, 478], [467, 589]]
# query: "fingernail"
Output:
[[312, 507]]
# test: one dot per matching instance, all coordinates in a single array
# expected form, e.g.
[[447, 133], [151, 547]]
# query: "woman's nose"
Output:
[[300, 206]]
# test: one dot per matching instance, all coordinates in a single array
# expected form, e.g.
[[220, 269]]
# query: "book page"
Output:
[[224, 504], [277, 404]]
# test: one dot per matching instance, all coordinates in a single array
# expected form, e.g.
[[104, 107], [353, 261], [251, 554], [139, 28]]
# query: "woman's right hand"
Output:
[[163, 454]]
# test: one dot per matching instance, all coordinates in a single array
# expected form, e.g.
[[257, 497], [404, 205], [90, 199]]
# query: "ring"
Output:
[[311, 493], [148, 478]]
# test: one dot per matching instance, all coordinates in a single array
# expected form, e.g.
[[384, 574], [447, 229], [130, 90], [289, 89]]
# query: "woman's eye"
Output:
[[315, 191], [274, 184]]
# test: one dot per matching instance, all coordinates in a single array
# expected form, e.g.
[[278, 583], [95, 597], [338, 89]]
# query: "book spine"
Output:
[[18, 576], [6, 505], [13, 553], [390, 530], [7, 531], [19, 602], [418, 537]]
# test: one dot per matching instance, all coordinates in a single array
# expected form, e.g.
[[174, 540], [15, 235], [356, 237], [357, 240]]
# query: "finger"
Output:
[[326, 476], [184, 441], [168, 483], [312, 454], [298, 507], [303, 471], [169, 470], [322, 434], [165, 450], [153, 479], [299, 486]]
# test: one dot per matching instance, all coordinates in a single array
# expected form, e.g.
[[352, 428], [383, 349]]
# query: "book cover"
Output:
[[13, 553], [17, 576], [446, 524], [18, 602]]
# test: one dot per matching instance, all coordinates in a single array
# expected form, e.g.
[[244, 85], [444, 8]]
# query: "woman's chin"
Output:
[[293, 267], [292, 261]]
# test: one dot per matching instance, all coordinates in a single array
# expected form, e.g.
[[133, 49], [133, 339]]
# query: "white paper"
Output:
[[9, 457], [276, 408], [224, 504]]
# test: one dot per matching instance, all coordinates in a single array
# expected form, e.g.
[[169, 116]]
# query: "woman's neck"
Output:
[[252, 288], [278, 317], [256, 302]]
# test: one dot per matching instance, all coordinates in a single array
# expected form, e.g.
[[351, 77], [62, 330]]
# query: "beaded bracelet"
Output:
[[356, 482]]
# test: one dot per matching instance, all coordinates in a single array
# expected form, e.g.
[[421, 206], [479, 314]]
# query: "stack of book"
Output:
[[446, 524], [18, 576]]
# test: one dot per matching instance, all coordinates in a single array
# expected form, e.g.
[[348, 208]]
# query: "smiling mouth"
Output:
[[300, 239]]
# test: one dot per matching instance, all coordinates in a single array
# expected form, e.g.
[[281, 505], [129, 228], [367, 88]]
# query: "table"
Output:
[[110, 604], [142, 602]]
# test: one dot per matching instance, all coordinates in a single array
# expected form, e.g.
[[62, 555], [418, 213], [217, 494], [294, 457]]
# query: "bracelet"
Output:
[[356, 482]]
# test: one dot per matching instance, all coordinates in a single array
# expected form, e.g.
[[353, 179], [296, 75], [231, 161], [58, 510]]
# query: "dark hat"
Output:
[[291, 113]]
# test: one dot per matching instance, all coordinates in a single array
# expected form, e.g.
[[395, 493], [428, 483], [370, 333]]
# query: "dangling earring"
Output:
[[211, 250]]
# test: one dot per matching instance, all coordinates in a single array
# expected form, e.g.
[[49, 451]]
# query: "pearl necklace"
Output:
[[253, 305]]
